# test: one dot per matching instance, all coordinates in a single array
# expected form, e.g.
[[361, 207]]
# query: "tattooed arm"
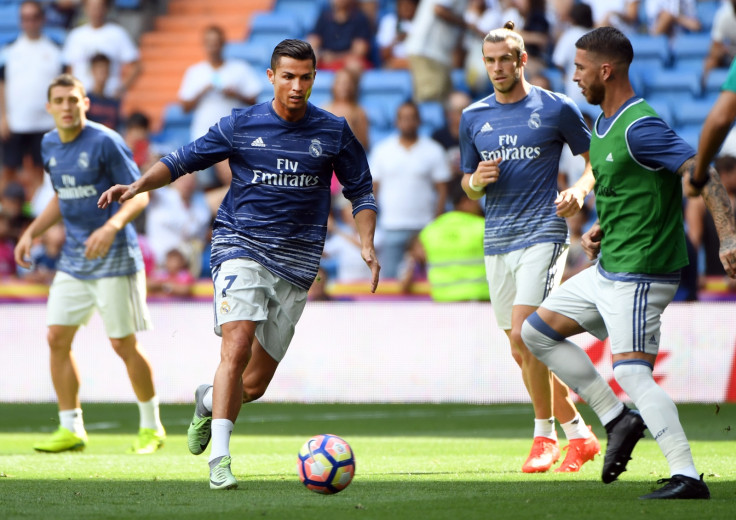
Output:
[[718, 203]]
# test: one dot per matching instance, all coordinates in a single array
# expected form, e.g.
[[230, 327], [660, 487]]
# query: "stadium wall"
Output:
[[360, 352]]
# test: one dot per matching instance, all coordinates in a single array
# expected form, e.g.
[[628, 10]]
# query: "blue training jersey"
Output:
[[528, 136], [81, 170], [276, 209]]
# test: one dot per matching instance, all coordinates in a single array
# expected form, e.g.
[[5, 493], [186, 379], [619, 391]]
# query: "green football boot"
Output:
[[62, 440]]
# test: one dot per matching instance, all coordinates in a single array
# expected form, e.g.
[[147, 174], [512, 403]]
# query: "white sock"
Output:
[[72, 420], [221, 431], [207, 399], [576, 428], [149, 414], [659, 413], [572, 365], [545, 428]]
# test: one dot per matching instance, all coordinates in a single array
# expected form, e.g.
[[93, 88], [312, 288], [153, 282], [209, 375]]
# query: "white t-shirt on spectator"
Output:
[[111, 40], [724, 27], [431, 36], [29, 66], [407, 197], [214, 104], [387, 31]]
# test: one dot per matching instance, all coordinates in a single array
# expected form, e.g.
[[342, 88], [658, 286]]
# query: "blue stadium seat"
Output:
[[648, 47], [706, 10], [690, 133], [323, 82], [556, 79], [432, 114], [127, 4], [662, 107], [692, 114], [397, 82], [267, 23], [459, 81], [7, 36], [376, 135], [690, 45], [174, 115], [306, 11], [672, 83], [10, 17], [386, 102], [258, 56], [714, 81], [56, 34]]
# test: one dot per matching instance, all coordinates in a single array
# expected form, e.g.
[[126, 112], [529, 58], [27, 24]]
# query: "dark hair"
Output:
[[65, 80], [582, 15], [725, 163], [138, 120], [292, 48], [507, 33], [409, 103], [608, 42], [99, 58]]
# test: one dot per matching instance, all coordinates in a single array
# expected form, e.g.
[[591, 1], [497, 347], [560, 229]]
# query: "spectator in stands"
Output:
[[448, 136], [580, 18], [103, 109], [344, 103], [99, 35], [62, 13], [12, 203], [536, 33], [7, 246], [174, 279], [167, 230], [670, 17], [137, 136], [342, 37], [432, 47], [622, 14], [28, 66], [723, 38], [410, 175], [701, 229], [393, 28], [45, 255], [213, 87], [451, 248]]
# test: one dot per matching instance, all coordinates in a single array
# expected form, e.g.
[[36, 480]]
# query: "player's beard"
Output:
[[511, 87], [594, 94]]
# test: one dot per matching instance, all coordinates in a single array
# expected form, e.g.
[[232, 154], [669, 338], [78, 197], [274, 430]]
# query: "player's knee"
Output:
[[124, 347], [634, 376], [537, 335], [58, 343], [252, 392]]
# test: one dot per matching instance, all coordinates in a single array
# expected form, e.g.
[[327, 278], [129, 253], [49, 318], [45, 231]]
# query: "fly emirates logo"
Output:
[[286, 175], [509, 151], [70, 190]]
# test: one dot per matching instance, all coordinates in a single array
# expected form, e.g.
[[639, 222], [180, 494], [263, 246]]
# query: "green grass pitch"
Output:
[[417, 462]]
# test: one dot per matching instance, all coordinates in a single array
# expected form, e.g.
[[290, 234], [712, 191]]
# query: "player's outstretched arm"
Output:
[[50, 215], [365, 221], [572, 199], [156, 177]]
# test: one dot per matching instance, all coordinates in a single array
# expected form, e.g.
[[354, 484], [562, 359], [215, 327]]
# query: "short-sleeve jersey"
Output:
[[634, 155], [80, 171], [276, 209], [528, 136]]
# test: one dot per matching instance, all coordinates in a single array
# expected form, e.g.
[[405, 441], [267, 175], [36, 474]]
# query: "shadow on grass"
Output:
[[369, 497]]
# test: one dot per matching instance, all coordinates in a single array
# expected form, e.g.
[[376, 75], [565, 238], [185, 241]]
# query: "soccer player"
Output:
[[101, 266], [510, 145], [638, 162], [268, 234]]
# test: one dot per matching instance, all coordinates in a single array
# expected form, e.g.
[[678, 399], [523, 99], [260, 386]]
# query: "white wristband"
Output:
[[472, 185]]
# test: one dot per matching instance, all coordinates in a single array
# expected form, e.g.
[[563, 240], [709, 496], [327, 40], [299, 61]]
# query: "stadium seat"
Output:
[[323, 83], [690, 46], [662, 107], [556, 79], [376, 135], [306, 11], [56, 34], [174, 115], [690, 133], [377, 81], [258, 56], [377, 113], [432, 114], [692, 114], [671, 83], [706, 10], [650, 47], [272, 24], [10, 17], [7, 36], [714, 81]]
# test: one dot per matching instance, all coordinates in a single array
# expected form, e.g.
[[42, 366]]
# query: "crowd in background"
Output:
[[416, 168]]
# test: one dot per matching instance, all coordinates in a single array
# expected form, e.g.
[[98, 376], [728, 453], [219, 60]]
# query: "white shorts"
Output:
[[628, 311], [523, 277], [120, 300], [247, 291]]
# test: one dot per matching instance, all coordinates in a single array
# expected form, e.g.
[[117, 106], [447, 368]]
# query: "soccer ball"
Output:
[[326, 464]]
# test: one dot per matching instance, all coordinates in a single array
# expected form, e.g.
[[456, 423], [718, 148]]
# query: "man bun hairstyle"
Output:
[[507, 33]]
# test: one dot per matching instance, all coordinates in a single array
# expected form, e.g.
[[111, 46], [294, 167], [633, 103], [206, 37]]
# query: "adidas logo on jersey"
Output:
[[486, 127], [609, 157], [258, 142]]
